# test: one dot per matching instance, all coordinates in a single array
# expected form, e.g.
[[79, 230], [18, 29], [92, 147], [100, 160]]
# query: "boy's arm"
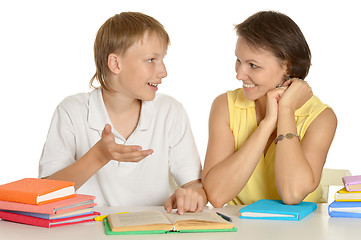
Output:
[[59, 161], [98, 156], [185, 165], [191, 197]]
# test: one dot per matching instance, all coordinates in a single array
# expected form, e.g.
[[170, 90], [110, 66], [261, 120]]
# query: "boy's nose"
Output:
[[162, 71]]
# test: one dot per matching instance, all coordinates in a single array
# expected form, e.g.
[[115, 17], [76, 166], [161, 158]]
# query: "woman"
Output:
[[270, 139]]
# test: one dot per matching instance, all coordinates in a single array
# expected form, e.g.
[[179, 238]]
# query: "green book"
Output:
[[155, 222]]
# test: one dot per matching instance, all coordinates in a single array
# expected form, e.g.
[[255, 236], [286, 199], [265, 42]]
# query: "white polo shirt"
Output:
[[163, 126]]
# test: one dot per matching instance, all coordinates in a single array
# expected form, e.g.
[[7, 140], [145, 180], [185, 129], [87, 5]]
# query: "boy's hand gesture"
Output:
[[109, 150], [191, 197]]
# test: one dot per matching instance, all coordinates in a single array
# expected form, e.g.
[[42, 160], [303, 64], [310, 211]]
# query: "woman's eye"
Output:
[[253, 65], [151, 60]]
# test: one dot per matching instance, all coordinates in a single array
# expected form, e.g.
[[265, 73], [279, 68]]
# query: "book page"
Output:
[[261, 214], [139, 221], [354, 186], [203, 220], [57, 194], [346, 209]]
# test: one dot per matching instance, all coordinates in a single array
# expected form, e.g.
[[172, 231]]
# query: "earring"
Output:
[[288, 78]]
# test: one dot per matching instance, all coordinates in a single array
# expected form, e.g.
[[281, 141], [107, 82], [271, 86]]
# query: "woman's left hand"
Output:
[[297, 94]]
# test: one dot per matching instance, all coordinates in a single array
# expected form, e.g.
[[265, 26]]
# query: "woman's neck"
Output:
[[261, 105]]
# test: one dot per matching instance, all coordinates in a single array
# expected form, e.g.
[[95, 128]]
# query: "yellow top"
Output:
[[243, 122]]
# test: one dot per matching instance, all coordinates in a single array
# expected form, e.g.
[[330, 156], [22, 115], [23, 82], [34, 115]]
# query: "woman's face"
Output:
[[258, 69]]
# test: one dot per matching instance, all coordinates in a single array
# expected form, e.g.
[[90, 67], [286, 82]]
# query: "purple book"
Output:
[[352, 183]]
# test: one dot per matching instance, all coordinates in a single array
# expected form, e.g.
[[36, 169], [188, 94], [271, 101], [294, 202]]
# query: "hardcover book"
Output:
[[36, 191], [55, 216], [343, 195], [151, 222], [19, 218], [352, 183], [345, 209], [71, 204], [277, 210]]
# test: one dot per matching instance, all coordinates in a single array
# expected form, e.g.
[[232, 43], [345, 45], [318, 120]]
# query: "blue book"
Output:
[[345, 209], [277, 210]]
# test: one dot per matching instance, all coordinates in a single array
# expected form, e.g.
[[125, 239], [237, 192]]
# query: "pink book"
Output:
[[80, 201], [19, 218], [352, 183]]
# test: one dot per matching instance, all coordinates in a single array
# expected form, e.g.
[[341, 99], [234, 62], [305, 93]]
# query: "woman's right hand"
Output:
[[273, 98], [110, 150]]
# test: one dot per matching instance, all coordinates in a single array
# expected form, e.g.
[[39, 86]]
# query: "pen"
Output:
[[224, 217], [100, 218]]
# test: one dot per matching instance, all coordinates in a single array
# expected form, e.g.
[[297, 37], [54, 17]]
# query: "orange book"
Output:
[[36, 191]]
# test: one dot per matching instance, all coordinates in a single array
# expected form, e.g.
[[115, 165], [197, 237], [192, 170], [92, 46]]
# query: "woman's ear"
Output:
[[114, 63], [286, 68]]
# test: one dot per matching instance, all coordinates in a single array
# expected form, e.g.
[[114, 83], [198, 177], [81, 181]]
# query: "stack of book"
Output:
[[348, 199], [45, 203]]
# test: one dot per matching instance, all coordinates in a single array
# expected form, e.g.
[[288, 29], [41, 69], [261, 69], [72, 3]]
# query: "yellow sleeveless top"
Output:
[[243, 122]]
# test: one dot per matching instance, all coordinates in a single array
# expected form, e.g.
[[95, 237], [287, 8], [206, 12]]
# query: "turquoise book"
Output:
[[277, 210]]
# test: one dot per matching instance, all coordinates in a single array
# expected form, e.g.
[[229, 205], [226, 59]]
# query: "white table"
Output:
[[317, 225]]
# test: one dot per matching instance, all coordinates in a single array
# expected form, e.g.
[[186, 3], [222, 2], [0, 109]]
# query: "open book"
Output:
[[148, 222]]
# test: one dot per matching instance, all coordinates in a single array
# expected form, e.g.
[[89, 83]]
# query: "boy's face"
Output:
[[142, 68]]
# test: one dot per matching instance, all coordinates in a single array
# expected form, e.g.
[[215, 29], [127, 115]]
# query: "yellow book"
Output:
[[343, 195], [148, 222]]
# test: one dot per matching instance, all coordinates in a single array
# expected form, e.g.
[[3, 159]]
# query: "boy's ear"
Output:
[[114, 63]]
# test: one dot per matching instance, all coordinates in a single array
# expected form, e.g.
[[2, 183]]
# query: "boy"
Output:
[[120, 141]]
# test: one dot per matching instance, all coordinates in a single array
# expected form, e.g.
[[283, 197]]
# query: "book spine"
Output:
[[18, 218], [308, 211], [344, 214], [17, 196]]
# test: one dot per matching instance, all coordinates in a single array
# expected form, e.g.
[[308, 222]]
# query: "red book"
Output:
[[80, 201], [36, 191], [19, 218]]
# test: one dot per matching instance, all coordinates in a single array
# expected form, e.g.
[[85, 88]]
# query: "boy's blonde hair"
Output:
[[117, 34]]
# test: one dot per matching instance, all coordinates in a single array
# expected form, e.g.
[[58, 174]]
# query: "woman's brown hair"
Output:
[[279, 34]]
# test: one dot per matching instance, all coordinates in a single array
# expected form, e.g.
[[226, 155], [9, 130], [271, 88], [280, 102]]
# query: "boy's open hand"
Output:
[[109, 150], [188, 198]]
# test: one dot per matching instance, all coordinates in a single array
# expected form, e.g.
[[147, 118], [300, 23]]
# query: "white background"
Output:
[[46, 54]]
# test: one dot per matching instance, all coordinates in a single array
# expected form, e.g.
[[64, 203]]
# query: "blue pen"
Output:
[[224, 217]]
